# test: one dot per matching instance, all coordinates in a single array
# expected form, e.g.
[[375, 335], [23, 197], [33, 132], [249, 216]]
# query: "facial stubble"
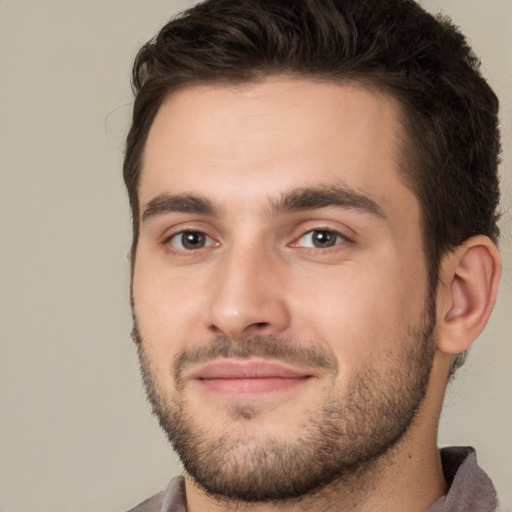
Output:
[[340, 436]]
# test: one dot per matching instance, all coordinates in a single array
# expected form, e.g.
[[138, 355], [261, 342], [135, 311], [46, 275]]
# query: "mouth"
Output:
[[248, 377]]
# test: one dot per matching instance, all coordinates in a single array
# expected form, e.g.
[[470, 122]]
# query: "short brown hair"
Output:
[[449, 111]]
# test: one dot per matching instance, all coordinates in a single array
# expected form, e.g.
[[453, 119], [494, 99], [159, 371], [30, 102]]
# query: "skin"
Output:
[[244, 148]]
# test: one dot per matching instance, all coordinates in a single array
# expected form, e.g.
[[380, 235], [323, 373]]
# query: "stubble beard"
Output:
[[339, 438]]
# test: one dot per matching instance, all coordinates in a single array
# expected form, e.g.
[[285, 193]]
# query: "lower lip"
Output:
[[253, 386]]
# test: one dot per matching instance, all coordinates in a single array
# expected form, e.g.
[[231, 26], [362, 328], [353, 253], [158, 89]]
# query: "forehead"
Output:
[[272, 136]]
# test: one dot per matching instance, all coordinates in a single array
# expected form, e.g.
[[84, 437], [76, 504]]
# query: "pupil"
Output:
[[324, 239], [193, 240]]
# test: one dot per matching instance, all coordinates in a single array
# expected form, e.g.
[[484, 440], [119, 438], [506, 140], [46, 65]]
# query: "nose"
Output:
[[247, 296]]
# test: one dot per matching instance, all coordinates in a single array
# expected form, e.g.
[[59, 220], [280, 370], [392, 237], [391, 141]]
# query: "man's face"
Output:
[[279, 286]]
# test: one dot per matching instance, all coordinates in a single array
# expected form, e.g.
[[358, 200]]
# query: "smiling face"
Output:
[[279, 285]]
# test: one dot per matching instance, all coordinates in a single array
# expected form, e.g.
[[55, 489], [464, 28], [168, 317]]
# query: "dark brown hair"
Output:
[[449, 113]]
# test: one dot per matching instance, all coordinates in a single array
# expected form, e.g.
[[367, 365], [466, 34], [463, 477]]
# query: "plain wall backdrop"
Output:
[[76, 433]]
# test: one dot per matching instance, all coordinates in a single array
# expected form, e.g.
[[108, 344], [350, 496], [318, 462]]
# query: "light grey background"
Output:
[[76, 433]]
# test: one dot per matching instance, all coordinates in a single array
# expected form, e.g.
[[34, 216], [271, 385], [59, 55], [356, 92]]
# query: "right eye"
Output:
[[191, 240]]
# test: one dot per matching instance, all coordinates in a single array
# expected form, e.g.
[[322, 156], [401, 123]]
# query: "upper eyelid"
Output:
[[338, 231], [330, 230], [180, 231], [316, 222], [298, 232], [167, 238], [187, 227], [167, 242]]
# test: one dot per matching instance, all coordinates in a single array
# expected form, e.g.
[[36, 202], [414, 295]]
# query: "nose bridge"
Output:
[[246, 298]]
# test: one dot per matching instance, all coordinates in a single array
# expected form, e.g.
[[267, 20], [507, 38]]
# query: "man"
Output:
[[314, 194]]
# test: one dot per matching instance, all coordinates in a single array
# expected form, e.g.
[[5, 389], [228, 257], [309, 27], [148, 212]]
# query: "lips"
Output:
[[247, 377]]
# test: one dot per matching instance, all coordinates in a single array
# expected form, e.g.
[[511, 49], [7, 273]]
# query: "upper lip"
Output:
[[246, 369]]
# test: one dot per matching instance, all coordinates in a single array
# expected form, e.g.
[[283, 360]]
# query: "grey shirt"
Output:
[[471, 490]]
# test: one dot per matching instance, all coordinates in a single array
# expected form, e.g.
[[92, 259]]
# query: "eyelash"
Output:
[[168, 241], [340, 239]]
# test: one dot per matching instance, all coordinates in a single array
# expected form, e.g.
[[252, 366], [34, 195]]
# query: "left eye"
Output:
[[191, 240], [320, 239]]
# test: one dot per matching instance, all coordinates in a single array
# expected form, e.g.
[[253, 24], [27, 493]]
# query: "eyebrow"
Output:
[[323, 197], [183, 203], [294, 201]]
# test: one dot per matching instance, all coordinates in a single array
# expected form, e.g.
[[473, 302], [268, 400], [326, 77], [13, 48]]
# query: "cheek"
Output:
[[158, 287], [358, 311], [164, 304]]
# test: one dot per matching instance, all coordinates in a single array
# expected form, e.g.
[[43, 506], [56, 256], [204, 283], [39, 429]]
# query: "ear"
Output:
[[469, 277]]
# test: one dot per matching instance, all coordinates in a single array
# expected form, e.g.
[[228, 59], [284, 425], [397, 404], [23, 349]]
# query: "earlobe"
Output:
[[467, 292]]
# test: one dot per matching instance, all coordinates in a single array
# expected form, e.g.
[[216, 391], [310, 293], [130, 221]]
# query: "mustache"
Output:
[[267, 347]]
